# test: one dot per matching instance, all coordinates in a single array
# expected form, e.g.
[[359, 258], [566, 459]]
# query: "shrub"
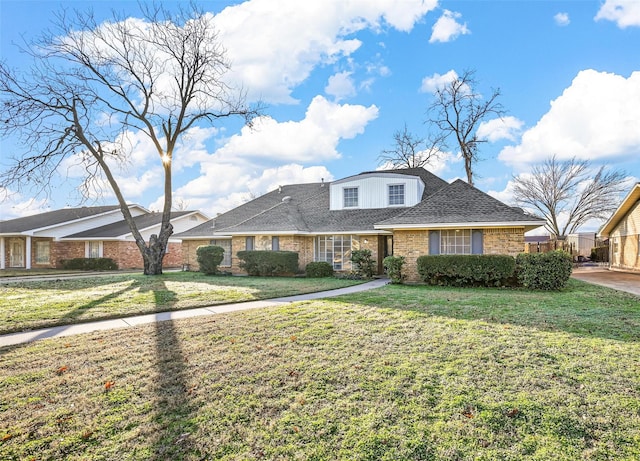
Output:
[[209, 258], [319, 269], [268, 263], [466, 270], [363, 264], [393, 265], [89, 264], [544, 271]]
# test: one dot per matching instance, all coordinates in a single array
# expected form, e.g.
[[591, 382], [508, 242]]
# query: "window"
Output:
[[350, 197], [93, 249], [275, 243], [336, 249], [226, 245], [456, 242], [250, 243], [396, 194], [43, 250]]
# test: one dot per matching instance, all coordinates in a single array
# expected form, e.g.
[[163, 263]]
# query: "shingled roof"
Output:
[[121, 228], [52, 218], [459, 203]]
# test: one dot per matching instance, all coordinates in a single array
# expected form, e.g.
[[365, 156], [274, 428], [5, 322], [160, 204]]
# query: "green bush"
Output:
[[363, 264], [319, 269], [544, 271], [466, 270], [209, 258], [89, 264], [268, 263], [393, 265]]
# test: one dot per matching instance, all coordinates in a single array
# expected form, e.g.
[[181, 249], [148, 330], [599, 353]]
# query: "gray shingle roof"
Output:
[[51, 218], [459, 203], [305, 209], [119, 228]]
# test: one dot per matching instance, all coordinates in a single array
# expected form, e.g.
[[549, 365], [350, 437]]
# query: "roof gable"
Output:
[[53, 218], [625, 207]]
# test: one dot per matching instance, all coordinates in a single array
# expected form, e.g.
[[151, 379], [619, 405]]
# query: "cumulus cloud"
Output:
[[562, 19], [436, 81], [16, 205], [596, 118], [625, 13], [314, 138], [500, 128], [340, 86], [289, 40], [447, 28]]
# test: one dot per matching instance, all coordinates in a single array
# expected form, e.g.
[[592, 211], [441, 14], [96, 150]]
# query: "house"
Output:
[[405, 212], [43, 240], [623, 231]]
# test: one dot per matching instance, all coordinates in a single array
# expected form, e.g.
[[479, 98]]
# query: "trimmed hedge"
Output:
[[363, 264], [467, 270], [268, 263], [319, 269], [544, 271], [209, 258], [89, 264], [393, 265]]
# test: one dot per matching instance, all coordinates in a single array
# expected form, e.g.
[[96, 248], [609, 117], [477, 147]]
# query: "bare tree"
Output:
[[458, 110], [91, 84], [410, 151], [568, 194]]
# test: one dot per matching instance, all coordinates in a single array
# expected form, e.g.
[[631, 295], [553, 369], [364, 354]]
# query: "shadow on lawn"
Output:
[[173, 407], [581, 309]]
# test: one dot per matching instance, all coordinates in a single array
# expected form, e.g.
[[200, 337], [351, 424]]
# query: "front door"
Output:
[[16, 253]]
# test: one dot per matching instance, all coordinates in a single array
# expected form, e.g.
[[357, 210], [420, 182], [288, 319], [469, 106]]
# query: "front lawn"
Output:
[[31, 304], [398, 373]]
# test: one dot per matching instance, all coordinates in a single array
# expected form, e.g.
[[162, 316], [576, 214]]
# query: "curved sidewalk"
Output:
[[79, 328]]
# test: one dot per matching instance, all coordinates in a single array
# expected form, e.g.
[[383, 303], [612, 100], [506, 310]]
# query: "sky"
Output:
[[338, 78]]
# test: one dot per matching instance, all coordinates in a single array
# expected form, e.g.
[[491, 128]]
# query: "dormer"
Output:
[[378, 189]]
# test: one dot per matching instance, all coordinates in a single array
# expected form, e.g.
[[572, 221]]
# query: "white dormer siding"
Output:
[[373, 191]]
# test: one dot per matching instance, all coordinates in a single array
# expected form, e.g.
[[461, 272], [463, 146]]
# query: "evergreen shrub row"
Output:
[[467, 270], [89, 264], [268, 263], [544, 271]]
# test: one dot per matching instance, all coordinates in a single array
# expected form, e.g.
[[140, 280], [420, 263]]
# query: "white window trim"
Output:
[[100, 249], [404, 195], [357, 205]]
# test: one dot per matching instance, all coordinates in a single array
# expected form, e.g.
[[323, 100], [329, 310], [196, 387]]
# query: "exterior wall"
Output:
[[624, 242], [66, 250], [415, 243], [189, 256], [127, 255], [372, 190]]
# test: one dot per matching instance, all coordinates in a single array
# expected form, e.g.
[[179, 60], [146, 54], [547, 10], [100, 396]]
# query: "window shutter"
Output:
[[476, 241], [434, 242]]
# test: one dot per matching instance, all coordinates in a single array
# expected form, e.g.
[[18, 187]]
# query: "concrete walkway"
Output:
[[68, 330], [618, 280]]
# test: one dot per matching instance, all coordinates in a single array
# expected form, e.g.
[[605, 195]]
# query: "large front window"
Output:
[[225, 244], [336, 250], [350, 197], [455, 242]]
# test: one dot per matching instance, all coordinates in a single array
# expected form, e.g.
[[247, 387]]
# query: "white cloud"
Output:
[[596, 118], [340, 86], [625, 13], [273, 48], [500, 128], [15, 205], [312, 139], [562, 19], [436, 81], [447, 27]]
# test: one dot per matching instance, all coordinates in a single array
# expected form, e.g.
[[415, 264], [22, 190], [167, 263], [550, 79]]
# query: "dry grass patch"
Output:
[[399, 373]]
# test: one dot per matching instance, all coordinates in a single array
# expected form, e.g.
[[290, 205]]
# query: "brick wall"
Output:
[[411, 244], [508, 241], [127, 255], [66, 250]]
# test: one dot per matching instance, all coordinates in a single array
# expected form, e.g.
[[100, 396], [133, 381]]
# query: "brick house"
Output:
[[43, 240], [623, 231], [407, 212]]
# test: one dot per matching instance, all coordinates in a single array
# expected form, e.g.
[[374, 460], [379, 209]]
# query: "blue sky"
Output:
[[339, 77]]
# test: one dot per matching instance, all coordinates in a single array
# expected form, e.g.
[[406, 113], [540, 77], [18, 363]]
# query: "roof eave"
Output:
[[463, 225], [625, 206]]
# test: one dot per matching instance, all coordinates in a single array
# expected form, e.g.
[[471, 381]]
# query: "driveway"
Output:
[[622, 281]]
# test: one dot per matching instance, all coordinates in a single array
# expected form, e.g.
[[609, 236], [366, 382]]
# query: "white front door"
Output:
[[16, 253]]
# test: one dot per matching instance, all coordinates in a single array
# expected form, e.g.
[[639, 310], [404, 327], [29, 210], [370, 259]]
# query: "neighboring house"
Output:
[[623, 231], [43, 240], [408, 212]]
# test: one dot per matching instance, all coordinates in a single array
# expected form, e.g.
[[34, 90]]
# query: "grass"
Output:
[[398, 373], [29, 305]]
